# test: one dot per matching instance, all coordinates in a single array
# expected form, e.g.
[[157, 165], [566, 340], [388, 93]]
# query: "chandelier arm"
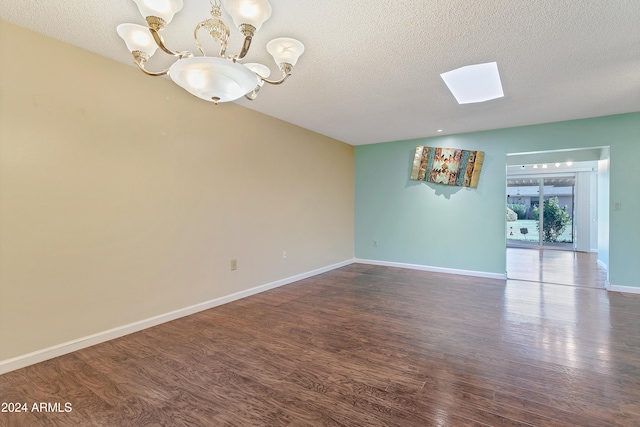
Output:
[[160, 42], [195, 36], [276, 82], [245, 47], [151, 73]]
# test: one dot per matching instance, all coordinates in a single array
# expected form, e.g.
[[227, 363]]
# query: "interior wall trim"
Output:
[[483, 274], [624, 289], [602, 264], [38, 356]]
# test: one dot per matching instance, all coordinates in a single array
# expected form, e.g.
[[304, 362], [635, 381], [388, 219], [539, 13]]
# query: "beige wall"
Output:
[[123, 197]]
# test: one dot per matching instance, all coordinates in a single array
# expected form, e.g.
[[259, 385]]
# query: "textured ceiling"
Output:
[[371, 70]]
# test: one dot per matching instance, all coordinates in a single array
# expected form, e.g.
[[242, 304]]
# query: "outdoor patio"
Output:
[[516, 231]]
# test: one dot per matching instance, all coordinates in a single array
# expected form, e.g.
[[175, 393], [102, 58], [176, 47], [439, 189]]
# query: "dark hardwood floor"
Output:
[[361, 346]]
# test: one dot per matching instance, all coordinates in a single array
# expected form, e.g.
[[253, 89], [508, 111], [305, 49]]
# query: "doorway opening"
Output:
[[557, 220]]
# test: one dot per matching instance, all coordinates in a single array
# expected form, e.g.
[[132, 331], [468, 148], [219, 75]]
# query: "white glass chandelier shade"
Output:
[[285, 50], [252, 12], [261, 70], [213, 79], [138, 38], [164, 9]]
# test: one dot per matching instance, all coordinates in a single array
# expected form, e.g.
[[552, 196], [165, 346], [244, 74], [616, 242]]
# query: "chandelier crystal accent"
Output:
[[218, 78]]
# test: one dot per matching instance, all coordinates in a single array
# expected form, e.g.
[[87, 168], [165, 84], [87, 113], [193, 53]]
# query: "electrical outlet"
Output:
[[284, 254], [375, 243], [234, 264]]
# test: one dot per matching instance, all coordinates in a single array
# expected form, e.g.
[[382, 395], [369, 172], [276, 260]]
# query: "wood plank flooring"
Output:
[[361, 346], [555, 266]]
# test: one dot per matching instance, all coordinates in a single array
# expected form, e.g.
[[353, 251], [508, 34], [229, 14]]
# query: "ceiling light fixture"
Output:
[[218, 78], [474, 83]]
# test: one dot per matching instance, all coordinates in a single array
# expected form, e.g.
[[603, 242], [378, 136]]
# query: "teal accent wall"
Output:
[[460, 228]]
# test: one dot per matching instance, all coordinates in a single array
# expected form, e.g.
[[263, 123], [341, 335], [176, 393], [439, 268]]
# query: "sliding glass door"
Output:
[[523, 199], [531, 222], [557, 212]]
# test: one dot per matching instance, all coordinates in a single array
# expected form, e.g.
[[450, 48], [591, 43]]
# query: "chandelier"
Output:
[[218, 78]]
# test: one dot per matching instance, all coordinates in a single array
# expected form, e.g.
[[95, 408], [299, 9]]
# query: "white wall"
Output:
[[582, 212], [593, 210], [603, 213]]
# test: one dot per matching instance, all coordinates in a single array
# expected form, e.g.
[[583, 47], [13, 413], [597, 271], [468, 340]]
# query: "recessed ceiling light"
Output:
[[544, 166], [557, 165], [569, 163], [474, 83], [439, 130], [535, 166]]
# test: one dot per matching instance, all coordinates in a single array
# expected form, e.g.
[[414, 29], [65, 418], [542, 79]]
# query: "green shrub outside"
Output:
[[519, 209], [555, 219]]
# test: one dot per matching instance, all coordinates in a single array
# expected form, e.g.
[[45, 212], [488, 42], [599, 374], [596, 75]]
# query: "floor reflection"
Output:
[[555, 266], [558, 324]]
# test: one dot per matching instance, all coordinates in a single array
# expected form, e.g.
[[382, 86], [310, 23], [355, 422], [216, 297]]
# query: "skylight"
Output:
[[474, 83]]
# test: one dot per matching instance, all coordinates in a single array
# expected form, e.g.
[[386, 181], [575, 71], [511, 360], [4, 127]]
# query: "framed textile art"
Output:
[[449, 166]]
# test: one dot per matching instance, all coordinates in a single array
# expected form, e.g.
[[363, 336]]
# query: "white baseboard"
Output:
[[434, 269], [625, 289], [80, 343], [603, 265]]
